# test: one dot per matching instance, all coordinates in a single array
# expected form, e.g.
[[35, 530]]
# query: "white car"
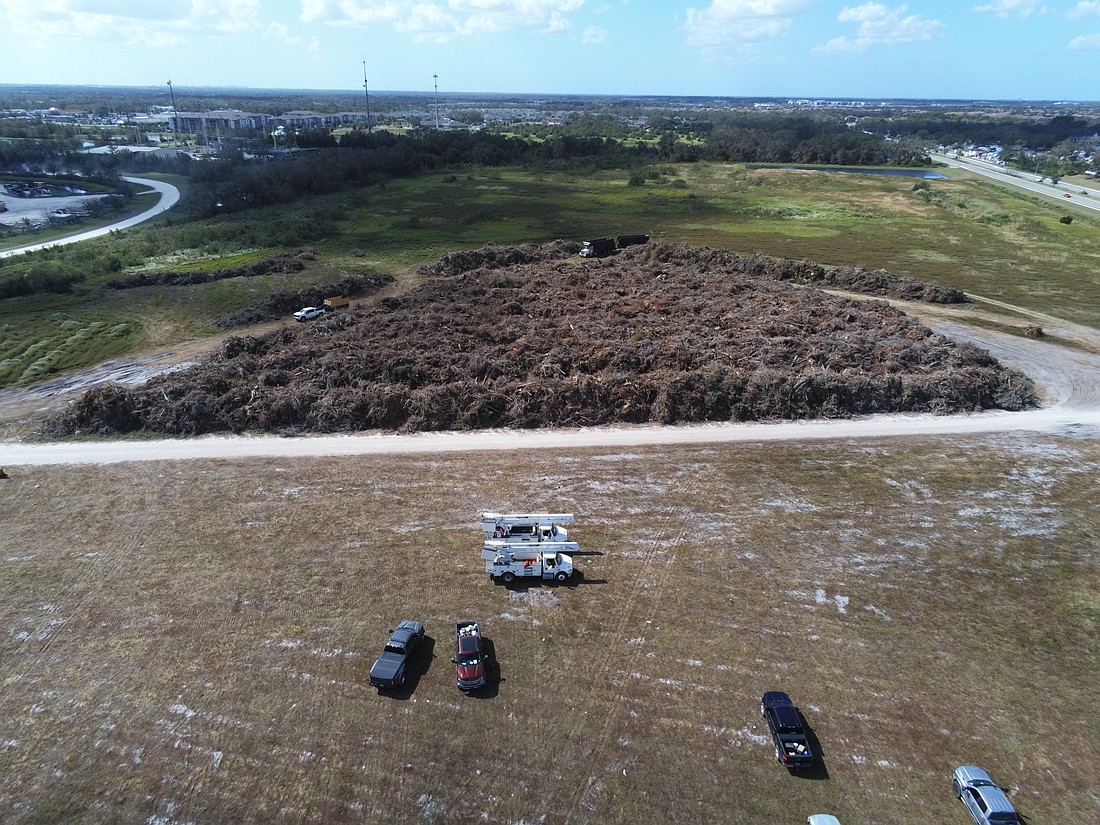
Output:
[[309, 313], [822, 819]]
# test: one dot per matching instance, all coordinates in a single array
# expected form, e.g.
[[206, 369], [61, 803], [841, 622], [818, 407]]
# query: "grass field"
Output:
[[961, 232], [189, 643]]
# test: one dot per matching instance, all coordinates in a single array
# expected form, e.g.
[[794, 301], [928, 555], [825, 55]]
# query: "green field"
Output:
[[960, 232]]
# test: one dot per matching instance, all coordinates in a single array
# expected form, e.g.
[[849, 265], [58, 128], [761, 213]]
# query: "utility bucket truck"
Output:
[[509, 561], [526, 526]]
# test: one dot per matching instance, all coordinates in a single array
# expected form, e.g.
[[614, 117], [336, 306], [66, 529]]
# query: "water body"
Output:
[[857, 170]]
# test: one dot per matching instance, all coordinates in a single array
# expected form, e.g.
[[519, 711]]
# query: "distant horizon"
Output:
[[992, 50], [182, 89]]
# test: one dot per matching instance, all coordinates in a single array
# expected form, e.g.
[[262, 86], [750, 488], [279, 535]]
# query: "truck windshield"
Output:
[[468, 659]]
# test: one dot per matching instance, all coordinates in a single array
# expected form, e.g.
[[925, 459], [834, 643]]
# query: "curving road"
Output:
[[169, 196]]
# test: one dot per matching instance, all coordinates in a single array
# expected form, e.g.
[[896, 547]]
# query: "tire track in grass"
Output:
[[652, 574]]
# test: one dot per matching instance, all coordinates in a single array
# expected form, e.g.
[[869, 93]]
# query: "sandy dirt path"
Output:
[[1068, 376]]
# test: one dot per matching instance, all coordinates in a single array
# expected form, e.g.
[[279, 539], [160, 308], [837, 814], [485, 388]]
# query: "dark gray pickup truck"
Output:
[[388, 670]]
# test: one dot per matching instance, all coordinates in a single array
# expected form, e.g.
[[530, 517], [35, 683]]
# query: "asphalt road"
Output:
[[169, 196], [1021, 180]]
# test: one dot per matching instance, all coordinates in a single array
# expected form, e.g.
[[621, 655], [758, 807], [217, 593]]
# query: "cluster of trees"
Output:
[[1037, 134], [800, 139]]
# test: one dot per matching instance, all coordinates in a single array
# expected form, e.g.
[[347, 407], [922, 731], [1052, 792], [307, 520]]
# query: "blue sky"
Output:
[[1003, 49]]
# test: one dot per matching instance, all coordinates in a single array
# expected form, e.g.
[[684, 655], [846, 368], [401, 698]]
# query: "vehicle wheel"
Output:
[[509, 577], [955, 787], [562, 576]]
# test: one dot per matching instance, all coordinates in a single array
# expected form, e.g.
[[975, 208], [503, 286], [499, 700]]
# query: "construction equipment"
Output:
[[509, 561], [602, 247], [526, 526]]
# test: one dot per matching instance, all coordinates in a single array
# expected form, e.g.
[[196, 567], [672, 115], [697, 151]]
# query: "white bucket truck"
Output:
[[509, 561], [527, 545], [526, 526]]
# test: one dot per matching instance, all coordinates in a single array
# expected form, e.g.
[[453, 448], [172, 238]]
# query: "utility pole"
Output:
[[435, 79], [175, 114], [366, 91]]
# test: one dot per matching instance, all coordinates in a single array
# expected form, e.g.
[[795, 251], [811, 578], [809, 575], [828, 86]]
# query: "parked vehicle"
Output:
[[597, 248], [526, 526], [336, 302], [822, 819], [985, 800], [792, 746], [623, 241], [469, 658], [309, 313], [389, 670], [509, 561], [602, 247]]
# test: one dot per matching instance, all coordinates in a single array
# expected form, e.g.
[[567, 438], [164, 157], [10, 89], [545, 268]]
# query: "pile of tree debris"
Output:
[[534, 336], [273, 306], [284, 263]]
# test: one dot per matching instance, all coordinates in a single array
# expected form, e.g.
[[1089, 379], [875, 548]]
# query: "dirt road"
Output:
[[1068, 375]]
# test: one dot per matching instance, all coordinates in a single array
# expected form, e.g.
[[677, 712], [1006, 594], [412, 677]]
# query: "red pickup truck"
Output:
[[469, 659]]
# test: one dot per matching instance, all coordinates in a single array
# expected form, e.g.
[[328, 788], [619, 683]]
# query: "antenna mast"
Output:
[[366, 91], [175, 114]]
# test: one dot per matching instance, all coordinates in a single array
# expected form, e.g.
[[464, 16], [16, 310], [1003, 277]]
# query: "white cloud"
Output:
[[880, 26], [739, 25], [594, 34], [1012, 8], [1085, 9], [1088, 42], [444, 20], [127, 22]]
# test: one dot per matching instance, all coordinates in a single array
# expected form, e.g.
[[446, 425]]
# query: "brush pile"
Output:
[[534, 336]]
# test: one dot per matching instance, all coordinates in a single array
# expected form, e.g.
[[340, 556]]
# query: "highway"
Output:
[[1023, 180], [169, 196]]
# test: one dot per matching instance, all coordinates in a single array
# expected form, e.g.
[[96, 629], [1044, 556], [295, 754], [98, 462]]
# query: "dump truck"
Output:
[[623, 241], [597, 248], [602, 247], [509, 561], [526, 526]]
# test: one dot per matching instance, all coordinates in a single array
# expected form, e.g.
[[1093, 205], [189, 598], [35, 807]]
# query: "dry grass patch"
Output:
[[189, 642]]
